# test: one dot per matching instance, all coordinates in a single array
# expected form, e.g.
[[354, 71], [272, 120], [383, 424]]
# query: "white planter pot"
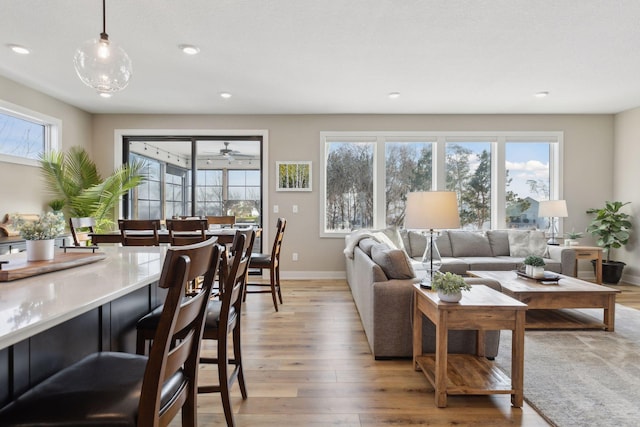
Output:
[[450, 297], [40, 250], [537, 272]]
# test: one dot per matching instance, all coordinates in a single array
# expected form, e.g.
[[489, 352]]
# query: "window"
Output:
[[25, 135], [468, 173], [349, 185], [499, 177], [528, 181]]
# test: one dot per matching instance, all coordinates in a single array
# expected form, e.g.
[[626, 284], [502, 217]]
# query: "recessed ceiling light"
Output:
[[189, 49], [105, 94], [16, 48], [225, 95], [542, 94], [394, 95]]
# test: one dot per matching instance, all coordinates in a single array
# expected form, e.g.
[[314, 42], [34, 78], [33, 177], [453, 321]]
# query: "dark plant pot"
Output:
[[611, 271]]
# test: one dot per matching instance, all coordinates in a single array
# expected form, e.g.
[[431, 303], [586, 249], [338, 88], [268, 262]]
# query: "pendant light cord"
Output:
[[104, 34]]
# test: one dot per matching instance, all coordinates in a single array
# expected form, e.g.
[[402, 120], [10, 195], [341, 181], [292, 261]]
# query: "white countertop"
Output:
[[32, 305]]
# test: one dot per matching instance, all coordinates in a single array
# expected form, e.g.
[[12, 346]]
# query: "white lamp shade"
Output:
[[427, 210], [553, 208]]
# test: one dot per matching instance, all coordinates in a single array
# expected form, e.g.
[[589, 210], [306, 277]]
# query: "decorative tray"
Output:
[[18, 267], [548, 276]]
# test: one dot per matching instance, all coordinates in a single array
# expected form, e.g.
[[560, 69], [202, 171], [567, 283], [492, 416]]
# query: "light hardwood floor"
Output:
[[310, 365]]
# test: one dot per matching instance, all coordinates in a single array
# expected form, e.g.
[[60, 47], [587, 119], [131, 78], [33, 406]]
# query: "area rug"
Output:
[[580, 377]]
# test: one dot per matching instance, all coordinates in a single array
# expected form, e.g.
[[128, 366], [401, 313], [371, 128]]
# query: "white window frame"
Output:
[[497, 139], [52, 131]]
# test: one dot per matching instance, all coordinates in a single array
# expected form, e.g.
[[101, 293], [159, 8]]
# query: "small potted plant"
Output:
[[40, 234], [449, 286], [534, 266], [572, 238]]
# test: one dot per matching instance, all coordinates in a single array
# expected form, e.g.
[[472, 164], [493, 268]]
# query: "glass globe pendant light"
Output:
[[101, 64]]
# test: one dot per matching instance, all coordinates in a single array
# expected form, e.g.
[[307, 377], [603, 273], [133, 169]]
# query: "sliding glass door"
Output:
[[196, 176]]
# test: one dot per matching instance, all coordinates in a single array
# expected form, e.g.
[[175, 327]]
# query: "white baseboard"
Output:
[[310, 275], [631, 279]]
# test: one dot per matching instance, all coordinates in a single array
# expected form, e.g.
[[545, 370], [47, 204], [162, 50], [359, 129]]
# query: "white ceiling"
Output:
[[338, 56]]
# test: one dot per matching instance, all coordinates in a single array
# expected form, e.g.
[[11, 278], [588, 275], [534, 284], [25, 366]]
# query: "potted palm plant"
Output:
[[73, 179], [612, 230], [449, 286]]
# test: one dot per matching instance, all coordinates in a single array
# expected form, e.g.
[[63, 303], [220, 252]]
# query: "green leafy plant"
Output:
[[47, 226], [73, 177], [449, 283], [610, 227], [573, 235], [56, 205], [534, 261]]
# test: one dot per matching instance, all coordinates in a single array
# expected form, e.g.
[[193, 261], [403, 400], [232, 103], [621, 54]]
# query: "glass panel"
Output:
[[528, 180], [21, 138], [468, 173], [408, 168], [349, 186]]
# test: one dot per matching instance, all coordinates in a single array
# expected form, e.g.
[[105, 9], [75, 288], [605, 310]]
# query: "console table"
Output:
[[480, 309]]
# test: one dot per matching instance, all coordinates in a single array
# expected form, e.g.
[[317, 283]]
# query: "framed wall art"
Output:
[[293, 176]]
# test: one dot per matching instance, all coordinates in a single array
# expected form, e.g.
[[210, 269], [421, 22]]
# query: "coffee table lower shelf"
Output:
[[468, 374]]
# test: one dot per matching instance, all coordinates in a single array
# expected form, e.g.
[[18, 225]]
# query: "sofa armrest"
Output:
[[566, 256]]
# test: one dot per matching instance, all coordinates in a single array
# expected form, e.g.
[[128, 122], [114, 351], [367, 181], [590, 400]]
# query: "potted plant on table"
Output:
[[449, 286], [572, 238], [612, 230], [534, 266], [40, 234]]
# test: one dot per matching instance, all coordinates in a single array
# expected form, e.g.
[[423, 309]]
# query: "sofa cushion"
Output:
[[469, 244], [492, 263], [367, 244], [525, 243], [394, 262], [499, 242], [393, 234]]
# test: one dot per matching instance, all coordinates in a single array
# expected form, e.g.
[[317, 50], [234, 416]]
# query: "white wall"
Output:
[[588, 163], [21, 187], [626, 178]]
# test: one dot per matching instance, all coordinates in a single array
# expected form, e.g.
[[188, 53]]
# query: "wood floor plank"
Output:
[[310, 365]]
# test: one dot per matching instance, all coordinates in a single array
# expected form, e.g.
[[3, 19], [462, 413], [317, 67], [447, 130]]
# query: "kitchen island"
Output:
[[51, 320]]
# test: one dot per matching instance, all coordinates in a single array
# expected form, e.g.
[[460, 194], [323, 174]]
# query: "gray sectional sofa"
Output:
[[383, 265]]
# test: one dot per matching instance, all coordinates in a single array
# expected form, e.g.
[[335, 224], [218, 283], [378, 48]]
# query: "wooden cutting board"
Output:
[[19, 267]]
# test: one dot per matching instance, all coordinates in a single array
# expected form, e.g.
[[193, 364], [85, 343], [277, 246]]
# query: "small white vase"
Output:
[[537, 272], [40, 250], [450, 297]]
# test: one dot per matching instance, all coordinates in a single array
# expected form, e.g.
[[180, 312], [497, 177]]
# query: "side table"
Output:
[[480, 309], [590, 253]]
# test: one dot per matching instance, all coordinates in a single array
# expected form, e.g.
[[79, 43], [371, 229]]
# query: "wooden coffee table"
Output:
[[480, 309], [569, 292]]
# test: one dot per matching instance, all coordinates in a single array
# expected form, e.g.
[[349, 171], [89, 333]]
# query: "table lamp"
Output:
[[429, 210], [553, 209]]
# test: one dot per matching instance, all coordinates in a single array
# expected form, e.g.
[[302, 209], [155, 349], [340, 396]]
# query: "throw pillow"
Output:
[[394, 235], [394, 262], [519, 243], [525, 243], [469, 244]]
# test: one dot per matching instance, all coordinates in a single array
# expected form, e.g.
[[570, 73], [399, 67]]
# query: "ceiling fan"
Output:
[[227, 153]]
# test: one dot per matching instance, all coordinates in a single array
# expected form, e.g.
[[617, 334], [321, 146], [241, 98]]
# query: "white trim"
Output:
[[52, 131], [312, 275]]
